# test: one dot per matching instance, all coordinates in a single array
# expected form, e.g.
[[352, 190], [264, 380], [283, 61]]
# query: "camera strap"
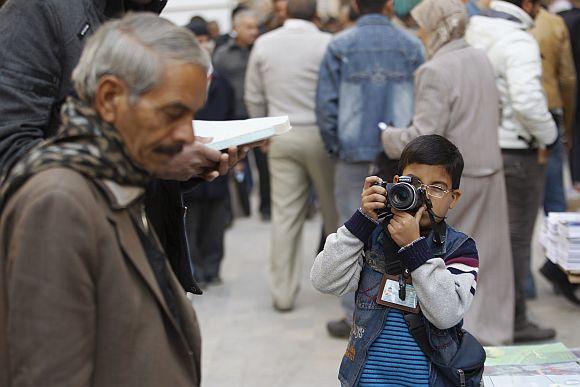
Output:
[[396, 289], [439, 229]]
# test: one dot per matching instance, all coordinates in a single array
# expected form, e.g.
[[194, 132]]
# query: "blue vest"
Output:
[[370, 317]]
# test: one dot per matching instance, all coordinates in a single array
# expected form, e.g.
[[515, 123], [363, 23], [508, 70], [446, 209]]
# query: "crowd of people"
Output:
[[111, 209], [474, 72]]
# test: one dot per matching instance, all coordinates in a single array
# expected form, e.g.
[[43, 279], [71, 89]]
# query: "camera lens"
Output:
[[402, 196]]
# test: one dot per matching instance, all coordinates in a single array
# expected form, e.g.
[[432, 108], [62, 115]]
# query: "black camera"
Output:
[[405, 195]]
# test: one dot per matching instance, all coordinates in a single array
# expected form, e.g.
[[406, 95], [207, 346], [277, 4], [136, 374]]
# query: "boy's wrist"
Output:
[[407, 246], [361, 226], [416, 254], [368, 216]]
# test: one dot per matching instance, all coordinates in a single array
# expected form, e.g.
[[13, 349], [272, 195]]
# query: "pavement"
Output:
[[247, 343]]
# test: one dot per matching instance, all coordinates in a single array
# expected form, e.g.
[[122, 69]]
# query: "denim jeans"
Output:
[[349, 183], [554, 196]]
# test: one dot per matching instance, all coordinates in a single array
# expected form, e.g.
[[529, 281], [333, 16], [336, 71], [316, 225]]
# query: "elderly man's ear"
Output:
[[111, 93]]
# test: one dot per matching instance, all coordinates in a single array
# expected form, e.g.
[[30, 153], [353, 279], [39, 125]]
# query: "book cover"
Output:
[[226, 134]]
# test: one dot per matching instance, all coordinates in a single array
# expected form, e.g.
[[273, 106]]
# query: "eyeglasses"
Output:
[[435, 191]]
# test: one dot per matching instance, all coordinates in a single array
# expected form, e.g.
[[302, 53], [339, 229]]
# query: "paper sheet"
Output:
[[234, 133]]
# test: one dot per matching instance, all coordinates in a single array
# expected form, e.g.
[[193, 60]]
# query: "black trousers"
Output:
[[206, 221], [525, 180], [264, 174]]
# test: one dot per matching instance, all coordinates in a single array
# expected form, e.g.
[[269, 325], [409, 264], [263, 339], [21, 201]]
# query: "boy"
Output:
[[442, 273]]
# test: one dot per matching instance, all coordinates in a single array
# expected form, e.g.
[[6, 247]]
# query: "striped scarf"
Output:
[[84, 143]]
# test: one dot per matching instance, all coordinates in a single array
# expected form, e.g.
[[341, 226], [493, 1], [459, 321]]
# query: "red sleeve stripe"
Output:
[[473, 262]]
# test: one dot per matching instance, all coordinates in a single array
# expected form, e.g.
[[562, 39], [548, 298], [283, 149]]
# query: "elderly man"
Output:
[[87, 297], [36, 65], [231, 61]]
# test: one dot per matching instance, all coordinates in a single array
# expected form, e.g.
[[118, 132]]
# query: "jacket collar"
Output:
[[373, 19], [454, 45], [512, 12], [299, 24], [121, 196]]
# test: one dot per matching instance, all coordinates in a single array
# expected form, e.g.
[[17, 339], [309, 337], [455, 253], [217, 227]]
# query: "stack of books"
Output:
[[561, 239]]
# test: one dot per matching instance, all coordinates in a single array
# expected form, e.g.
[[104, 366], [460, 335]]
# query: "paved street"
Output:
[[247, 343]]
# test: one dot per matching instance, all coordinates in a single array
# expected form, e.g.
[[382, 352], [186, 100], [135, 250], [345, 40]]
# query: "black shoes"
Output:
[[560, 281], [266, 216], [339, 329], [530, 332]]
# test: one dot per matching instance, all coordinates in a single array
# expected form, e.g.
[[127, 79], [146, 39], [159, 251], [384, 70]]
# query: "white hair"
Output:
[[137, 49]]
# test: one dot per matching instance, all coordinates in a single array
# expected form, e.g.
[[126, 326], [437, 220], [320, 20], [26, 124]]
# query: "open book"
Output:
[[226, 134]]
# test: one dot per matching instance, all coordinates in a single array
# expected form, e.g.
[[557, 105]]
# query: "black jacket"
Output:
[[220, 106], [41, 42]]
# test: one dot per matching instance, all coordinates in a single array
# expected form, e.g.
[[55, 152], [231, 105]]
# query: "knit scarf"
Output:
[[84, 143]]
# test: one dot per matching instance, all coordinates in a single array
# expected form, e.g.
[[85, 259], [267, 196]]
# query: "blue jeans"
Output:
[[554, 196], [349, 182]]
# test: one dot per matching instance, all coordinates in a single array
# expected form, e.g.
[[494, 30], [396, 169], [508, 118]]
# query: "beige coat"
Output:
[[79, 302], [456, 97], [559, 73]]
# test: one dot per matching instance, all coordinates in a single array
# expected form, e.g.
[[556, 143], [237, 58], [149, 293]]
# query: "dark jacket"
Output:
[[231, 61], [220, 106], [41, 42]]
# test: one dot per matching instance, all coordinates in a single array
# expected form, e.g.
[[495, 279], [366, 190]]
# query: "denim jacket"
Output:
[[366, 77], [370, 317]]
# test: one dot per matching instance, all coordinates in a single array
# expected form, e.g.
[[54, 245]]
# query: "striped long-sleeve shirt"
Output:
[[394, 359], [445, 288]]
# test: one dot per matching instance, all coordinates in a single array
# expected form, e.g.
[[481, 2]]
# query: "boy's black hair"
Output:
[[370, 6], [434, 149]]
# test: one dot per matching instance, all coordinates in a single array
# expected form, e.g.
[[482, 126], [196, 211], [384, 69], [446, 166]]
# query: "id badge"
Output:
[[389, 294]]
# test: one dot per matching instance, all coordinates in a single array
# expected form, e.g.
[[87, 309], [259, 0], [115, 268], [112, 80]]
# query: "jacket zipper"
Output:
[[461, 377]]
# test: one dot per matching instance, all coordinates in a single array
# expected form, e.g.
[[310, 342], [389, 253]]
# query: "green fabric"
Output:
[[404, 7]]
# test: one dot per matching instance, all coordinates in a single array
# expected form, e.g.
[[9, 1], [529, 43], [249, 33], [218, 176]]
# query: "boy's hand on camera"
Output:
[[373, 197], [404, 227]]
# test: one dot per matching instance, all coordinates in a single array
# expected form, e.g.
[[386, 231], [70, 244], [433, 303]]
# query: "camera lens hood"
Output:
[[403, 196]]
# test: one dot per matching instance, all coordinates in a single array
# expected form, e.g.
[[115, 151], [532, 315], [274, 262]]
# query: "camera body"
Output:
[[405, 195]]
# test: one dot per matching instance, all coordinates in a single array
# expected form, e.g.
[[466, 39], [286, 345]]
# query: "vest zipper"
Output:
[[461, 377]]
